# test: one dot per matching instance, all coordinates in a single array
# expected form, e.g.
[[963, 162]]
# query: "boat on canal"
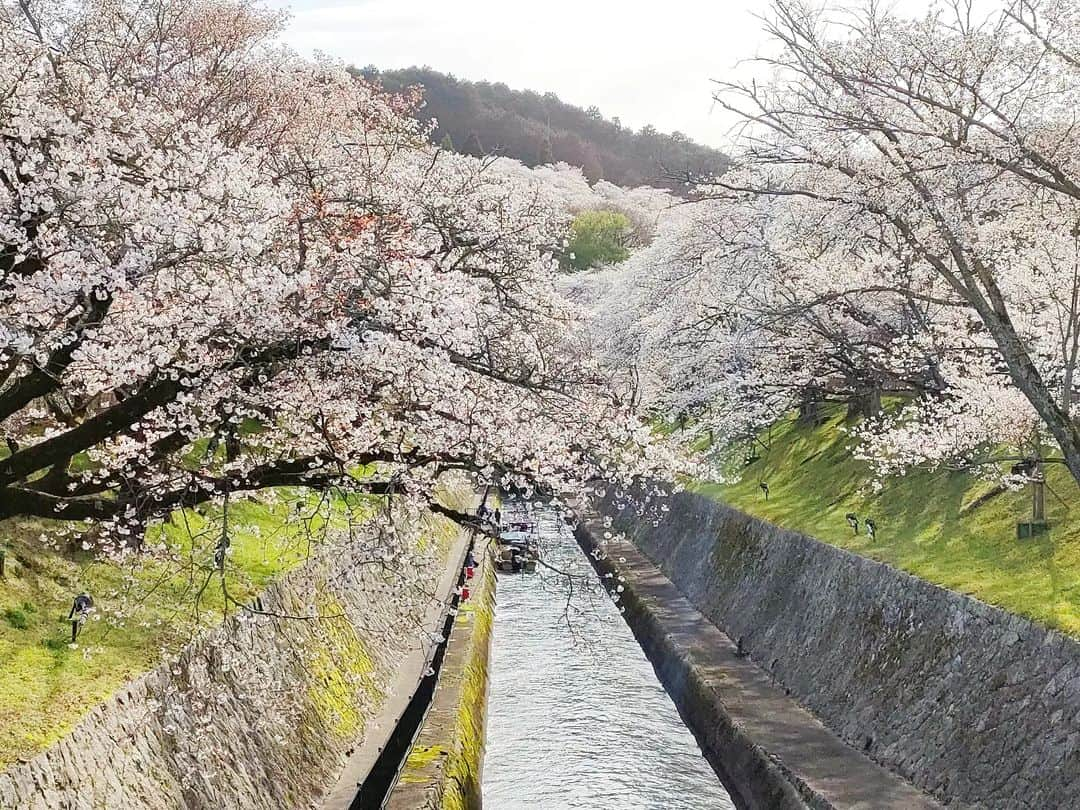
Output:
[[517, 548]]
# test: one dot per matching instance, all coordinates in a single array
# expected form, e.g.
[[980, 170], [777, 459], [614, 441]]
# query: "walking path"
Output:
[[379, 728]]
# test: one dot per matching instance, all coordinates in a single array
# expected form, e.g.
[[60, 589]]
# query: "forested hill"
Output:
[[484, 118]]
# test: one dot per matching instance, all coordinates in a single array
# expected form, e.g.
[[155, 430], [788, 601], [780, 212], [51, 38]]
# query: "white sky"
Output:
[[645, 62]]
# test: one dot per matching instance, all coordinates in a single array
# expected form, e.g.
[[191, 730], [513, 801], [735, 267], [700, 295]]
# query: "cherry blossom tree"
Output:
[[744, 308], [224, 269], [644, 206], [950, 140]]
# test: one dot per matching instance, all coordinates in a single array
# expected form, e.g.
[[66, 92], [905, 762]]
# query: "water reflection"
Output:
[[576, 716]]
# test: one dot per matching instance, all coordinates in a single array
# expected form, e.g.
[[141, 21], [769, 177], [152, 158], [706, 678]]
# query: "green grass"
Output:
[[928, 523], [145, 608]]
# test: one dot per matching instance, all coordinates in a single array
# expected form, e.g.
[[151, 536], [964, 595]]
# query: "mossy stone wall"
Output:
[[975, 705], [442, 772], [258, 714]]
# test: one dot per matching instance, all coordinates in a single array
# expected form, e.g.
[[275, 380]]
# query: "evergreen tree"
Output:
[[473, 146], [544, 154], [447, 143]]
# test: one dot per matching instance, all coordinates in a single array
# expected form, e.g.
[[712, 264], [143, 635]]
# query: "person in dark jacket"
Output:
[[80, 610]]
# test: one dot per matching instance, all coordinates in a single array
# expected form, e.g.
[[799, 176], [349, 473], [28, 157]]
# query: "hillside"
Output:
[[932, 524], [143, 609], [490, 118]]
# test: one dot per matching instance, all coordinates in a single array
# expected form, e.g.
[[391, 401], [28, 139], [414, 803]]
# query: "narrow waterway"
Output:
[[576, 716]]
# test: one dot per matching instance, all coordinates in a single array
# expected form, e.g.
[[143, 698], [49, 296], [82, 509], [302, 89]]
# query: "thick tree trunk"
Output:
[[810, 413], [1027, 378], [865, 403]]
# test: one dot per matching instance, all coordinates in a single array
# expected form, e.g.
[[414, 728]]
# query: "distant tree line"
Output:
[[480, 118]]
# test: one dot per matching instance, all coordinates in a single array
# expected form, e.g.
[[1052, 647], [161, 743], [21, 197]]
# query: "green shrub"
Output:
[[17, 618], [596, 238]]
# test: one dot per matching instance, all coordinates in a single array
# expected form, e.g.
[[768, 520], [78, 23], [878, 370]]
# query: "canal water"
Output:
[[576, 715]]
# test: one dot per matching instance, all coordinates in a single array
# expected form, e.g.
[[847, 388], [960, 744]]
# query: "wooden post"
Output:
[[1038, 494], [1033, 469]]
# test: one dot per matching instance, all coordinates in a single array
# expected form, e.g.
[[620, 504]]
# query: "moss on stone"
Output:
[[420, 759], [338, 663], [466, 755], [437, 532], [442, 531], [46, 688], [337, 670], [443, 767]]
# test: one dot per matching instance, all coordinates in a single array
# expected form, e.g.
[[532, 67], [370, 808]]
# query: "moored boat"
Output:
[[518, 548]]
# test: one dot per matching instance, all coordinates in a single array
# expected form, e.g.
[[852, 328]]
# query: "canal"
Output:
[[576, 715]]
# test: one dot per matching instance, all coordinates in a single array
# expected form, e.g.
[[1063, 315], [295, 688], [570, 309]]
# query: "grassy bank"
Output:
[[144, 609], [944, 526]]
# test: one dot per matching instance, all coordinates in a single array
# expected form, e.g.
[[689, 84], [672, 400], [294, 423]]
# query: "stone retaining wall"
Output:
[[260, 713], [753, 778], [443, 769], [973, 704]]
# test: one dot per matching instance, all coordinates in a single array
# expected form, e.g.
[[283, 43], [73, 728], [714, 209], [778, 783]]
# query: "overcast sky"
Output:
[[643, 62]]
